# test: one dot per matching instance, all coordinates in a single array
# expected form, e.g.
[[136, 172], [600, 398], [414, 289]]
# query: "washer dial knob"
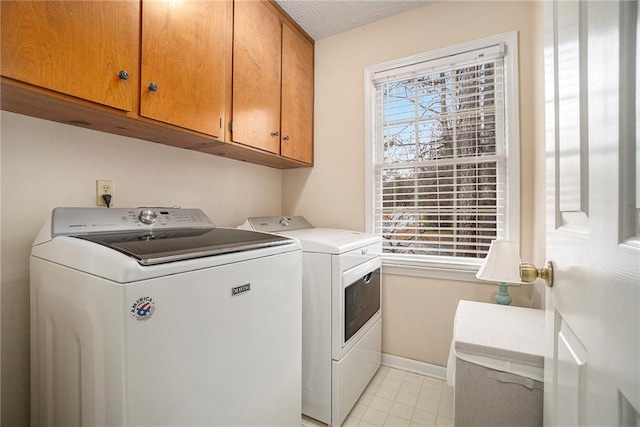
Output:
[[284, 222], [147, 216]]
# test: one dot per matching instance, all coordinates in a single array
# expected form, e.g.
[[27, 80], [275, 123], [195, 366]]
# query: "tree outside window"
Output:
[[440, 157]]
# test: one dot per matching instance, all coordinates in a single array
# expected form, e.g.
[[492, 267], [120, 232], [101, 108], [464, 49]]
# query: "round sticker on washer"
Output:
[[143, 308]]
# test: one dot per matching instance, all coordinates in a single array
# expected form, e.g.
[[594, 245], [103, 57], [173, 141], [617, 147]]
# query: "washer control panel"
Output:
[[76, 221]]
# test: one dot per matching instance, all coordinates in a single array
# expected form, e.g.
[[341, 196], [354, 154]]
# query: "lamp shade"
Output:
[[502, 263]]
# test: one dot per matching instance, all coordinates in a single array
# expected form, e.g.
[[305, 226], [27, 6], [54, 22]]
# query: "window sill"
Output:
[[460, 272], [465, 272]]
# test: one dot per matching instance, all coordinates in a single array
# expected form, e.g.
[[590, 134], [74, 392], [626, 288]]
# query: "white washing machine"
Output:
[[341, 313], [157, 317]]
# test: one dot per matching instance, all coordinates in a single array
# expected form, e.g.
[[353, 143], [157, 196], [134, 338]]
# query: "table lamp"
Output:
[[501, 265]]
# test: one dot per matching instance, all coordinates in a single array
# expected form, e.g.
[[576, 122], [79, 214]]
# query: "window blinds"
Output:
[[439, 160]]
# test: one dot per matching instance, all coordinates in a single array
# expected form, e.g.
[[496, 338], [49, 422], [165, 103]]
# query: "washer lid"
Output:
[[157, 247], [155, 235]]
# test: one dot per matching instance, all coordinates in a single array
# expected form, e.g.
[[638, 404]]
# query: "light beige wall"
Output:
[[47, 164], [418, 313], [0, 273], [417, 317]]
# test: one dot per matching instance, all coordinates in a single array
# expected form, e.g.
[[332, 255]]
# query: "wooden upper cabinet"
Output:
[[256, 75], [297, 96], [272, 82], [76, 48], [173, 71], [186, 62]]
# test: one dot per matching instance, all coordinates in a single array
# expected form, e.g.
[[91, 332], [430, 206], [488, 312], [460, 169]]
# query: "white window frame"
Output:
[[443, 268]]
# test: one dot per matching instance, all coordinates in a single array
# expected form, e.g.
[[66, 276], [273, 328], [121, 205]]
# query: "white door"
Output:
[[592, 374]]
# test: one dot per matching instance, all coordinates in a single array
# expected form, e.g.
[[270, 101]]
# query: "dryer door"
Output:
[[358, 306], [361, 302]]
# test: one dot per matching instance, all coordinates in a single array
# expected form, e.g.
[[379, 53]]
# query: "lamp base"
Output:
[[503, 297]]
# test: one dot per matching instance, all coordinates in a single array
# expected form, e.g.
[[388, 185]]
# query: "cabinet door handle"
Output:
[[286, 138], [276, 133], [123, 75], [153, 87]]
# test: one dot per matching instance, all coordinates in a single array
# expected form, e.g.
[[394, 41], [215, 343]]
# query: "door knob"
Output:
[[529, 273]]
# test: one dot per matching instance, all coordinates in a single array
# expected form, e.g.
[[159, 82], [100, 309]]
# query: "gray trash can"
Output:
[[496, 363]]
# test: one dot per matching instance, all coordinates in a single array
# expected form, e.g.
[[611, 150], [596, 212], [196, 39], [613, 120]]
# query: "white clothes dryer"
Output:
[[157, 317], [341, 313]]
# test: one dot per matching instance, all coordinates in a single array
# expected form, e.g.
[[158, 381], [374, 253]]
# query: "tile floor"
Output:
[[398, 398]]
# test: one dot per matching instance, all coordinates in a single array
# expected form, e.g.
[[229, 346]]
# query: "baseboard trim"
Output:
[[416, 366]]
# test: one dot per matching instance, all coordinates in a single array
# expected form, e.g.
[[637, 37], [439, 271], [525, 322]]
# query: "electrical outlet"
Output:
[[103, 187]]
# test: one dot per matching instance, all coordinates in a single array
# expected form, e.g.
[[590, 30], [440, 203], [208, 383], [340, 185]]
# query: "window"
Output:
[[442, 158]]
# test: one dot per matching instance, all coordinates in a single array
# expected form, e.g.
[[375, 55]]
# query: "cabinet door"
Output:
[[256, 76], [74, 47], [297, 96], [185, 57]]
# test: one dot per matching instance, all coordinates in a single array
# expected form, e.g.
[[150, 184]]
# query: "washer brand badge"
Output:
[[143, 308], [240, 289]]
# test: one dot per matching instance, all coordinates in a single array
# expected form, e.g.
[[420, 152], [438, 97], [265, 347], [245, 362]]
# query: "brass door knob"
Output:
[[529, 273]]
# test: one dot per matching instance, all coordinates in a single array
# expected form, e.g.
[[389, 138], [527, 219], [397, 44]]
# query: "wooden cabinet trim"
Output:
[[287, 20], [22, 98]]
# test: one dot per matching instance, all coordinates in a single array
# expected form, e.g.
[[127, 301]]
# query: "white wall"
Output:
[[418, 313], [46, 164]]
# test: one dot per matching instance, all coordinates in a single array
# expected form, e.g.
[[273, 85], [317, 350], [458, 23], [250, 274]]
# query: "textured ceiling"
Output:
[[324, 18]]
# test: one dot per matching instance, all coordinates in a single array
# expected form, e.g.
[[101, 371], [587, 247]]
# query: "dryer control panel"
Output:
[[276, 224]]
